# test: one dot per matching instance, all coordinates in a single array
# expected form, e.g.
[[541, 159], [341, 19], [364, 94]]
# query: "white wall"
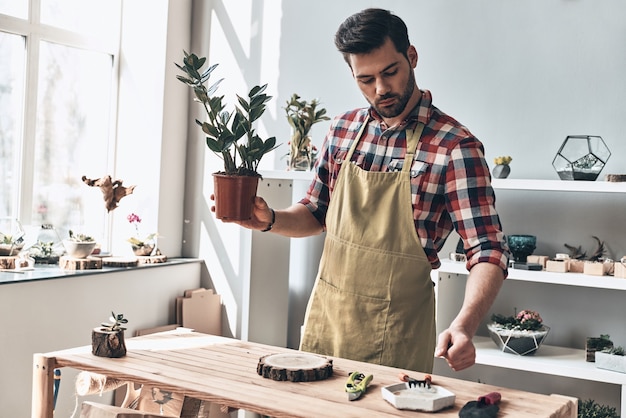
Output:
[[53, 314], [521, 75]]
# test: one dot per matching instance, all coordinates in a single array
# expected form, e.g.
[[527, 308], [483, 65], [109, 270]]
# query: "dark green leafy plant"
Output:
[[524, 320], [302, 115], [228, 134], [116, 322], [616, 351], [591, 409], [599, 343]]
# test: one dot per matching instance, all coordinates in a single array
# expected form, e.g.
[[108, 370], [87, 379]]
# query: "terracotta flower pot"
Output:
[[234, 196]]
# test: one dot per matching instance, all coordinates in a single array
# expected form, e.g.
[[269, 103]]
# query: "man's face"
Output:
[[385, 78]]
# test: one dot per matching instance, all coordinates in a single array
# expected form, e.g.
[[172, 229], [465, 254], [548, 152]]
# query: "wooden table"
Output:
[[223, 370]]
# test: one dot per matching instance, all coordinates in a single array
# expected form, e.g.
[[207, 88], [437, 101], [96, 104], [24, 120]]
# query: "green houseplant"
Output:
[[302, 115], [231, 136], [107, 340]]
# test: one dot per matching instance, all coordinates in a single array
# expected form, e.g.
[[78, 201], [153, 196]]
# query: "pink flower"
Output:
[[527, 315], [133, 218]]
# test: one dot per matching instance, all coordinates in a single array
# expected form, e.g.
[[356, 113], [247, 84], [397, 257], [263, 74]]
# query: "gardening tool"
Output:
[[485, 407], [357, 385], [414, 383]]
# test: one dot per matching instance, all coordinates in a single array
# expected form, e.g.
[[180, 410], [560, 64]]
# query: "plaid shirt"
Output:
[[450, 180]]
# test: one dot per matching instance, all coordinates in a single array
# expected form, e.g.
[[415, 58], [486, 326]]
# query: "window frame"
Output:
[[34, 33]]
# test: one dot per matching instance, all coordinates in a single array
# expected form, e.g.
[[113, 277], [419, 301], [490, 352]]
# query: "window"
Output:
[[58, 90]]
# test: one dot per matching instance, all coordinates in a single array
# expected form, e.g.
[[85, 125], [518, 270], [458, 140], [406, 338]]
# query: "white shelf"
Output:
[[566, 279], [552, 360], [559, 185], [286, 175]]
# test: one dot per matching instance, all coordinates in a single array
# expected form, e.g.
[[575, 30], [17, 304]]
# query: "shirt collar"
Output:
[[420, 113]]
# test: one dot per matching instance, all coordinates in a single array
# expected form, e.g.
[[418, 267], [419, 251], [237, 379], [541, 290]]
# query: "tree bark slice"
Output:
[[120, 261], [152, 259], [7, 263], [295, 367], [70, 263], [107, 343]]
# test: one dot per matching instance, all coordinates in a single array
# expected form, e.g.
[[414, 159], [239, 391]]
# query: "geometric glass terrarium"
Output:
[[581, 157]]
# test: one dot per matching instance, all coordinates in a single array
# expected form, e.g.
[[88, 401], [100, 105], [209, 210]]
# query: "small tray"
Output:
[[433, 399]]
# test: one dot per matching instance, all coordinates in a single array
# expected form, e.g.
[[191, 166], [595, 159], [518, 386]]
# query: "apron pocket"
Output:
[[345, 324]]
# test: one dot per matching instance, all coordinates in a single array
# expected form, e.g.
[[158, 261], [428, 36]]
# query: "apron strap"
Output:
[[411, 146], [413, 138]]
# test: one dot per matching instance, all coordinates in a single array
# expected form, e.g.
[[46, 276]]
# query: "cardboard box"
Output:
[[200, 310]]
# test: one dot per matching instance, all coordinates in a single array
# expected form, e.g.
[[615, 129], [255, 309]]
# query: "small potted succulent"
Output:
[[612, 358], [595, 344], [107, 340], [502, 168], [302, 115], [11, 237], [521, 334], [231, 136], [79, 245]]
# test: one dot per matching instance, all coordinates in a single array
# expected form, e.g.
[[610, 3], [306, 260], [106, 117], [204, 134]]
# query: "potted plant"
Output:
[[141, 247], [521, 334], [591, 409], [611, 359], [232, 137], [79, 245], [107, 340], [11, 237], [595, 344], [45, 252], [502, 168], [302, 115]]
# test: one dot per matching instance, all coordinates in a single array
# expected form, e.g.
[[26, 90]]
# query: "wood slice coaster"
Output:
[[7, 263], [616, 177], [295, 367], [152, 259], [120, 261], [70, 263]]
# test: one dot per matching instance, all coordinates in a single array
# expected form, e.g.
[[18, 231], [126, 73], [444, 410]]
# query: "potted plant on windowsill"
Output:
[[107, 340], [232, 137], [79, 245]]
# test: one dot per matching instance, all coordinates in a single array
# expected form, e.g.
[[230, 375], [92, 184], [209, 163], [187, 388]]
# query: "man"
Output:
[[391, 183]]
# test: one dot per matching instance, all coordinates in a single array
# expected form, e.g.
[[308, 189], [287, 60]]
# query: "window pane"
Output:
[[16, 8], [94, 17], [12, 62], [72, 134]]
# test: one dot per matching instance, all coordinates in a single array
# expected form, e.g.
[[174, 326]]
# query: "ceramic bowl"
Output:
[[78, 249], [522, 246]]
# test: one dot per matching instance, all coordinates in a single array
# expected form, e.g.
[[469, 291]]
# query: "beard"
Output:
[[401, 102]]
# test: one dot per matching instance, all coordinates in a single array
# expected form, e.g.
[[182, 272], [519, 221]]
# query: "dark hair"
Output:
[[369, 29]]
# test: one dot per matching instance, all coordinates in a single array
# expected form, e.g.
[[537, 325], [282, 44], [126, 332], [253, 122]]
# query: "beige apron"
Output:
[[373, 298]]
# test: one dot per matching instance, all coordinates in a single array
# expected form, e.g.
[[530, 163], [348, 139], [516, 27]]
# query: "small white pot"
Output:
[[610, 362], [78, 249]]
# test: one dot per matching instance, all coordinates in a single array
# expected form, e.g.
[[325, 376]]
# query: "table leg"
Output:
[[43, 385]]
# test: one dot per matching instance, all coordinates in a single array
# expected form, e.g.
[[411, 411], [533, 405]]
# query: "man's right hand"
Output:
[[261, 215]]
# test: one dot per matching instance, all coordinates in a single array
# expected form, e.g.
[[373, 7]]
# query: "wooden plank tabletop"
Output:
[[223, 370]]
